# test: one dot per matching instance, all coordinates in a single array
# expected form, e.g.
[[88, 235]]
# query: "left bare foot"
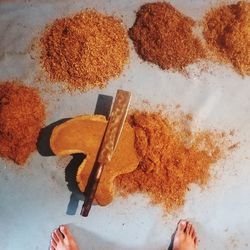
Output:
[[62, 239]]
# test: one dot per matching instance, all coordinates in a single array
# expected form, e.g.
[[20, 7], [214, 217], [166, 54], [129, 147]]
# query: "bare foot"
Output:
[[185, 237], [62, 239]]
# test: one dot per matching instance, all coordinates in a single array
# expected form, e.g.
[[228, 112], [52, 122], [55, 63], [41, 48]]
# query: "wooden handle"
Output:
[[91, 188]]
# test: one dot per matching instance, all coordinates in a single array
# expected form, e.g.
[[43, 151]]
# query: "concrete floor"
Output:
[[35, 199]]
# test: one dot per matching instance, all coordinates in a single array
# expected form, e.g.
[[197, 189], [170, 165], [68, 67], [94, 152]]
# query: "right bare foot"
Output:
[[185, 237]]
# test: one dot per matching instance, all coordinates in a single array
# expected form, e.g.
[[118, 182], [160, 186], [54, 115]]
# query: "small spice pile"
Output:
[[162, 35], [85, 50], [227, 32], [21, 117], [171, 158]]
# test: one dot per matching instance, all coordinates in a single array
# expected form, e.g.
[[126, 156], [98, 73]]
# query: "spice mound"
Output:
[[162, 35], [227, 32], [171, 158], [21, 117], [85, 50]]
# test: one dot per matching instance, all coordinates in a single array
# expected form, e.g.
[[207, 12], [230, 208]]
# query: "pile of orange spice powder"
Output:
[[164, 36], [227, 32], [171, 158], [85, 50], [22, 115]]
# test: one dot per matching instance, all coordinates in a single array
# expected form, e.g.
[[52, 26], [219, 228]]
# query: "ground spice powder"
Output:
[[85, 50], [171, 158], [22, 115], [162, 35], [227, 32]]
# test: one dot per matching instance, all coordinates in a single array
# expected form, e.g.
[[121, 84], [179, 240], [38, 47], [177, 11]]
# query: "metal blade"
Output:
[[115, 125], [108, 145]]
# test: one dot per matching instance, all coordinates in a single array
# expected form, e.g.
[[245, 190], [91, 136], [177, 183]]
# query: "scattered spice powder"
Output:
[[85, 50], [22, 116], [227, 32], [164, 36], [171, 158]]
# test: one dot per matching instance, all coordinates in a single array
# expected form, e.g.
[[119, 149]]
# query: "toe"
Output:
[[191, 232], [194, 233], [59, 234], [65, 231], [195, 240], [189, 226], [53, 243], [181, 225], [54, 237]]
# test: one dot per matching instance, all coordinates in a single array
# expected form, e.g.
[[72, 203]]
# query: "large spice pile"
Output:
[[85, 50], [171, 158], [227, 32], [162, 35], [21, 118]]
